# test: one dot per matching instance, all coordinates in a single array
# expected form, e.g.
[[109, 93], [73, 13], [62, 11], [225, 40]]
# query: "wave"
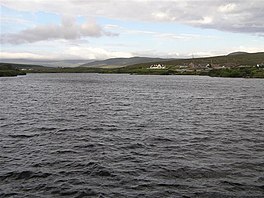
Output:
[[25, 174]]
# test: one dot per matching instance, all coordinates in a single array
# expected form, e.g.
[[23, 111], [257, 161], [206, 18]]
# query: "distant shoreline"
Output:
[[228, 73]]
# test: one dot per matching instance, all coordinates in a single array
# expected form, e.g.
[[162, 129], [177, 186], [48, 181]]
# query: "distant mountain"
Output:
[[237, 53], [121, 62], [47, 63]]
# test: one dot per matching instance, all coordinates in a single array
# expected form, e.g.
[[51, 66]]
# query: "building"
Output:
[[260, 65], [157, 66]]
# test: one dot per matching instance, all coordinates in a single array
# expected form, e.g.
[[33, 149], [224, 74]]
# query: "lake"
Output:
[[95, 135]]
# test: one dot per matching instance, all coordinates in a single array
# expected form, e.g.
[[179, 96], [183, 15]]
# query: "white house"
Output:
[[157, 66]]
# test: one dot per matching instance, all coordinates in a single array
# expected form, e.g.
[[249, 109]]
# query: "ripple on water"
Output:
[[89, 135]]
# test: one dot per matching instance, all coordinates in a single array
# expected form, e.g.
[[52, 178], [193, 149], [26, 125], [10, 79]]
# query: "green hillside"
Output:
[[22, 66], [7, 69], [233, 65], [249, 59]]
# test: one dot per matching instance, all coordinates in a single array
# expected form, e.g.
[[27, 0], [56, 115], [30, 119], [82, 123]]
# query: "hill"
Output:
[[249, 59], [21, 66], [240, 65], [121, 62], [13, 69], [9, 70]]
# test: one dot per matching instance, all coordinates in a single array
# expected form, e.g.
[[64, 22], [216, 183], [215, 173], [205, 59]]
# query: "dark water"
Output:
[[89, 135]]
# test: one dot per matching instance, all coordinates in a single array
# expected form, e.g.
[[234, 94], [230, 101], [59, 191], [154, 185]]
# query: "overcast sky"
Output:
[[100, 29]]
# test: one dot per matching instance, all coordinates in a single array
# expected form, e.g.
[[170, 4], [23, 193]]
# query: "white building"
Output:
[[157, 66]]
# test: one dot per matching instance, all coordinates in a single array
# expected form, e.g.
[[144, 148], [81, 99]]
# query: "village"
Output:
[[190, 67]]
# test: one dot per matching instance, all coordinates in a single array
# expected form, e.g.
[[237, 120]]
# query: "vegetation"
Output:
[[249, 72], [9, 70]]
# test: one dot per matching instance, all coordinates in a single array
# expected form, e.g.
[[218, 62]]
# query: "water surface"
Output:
[[91, 135]]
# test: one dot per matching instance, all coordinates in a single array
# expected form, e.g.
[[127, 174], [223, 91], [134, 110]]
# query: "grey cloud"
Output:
[[233, 15], [68, 30]]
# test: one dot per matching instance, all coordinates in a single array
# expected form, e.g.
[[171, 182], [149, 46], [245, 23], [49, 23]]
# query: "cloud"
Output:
[[13, 20], [227, 7], [249, 49], [158, 34], [233, 16], [83, 52], [22, 55], [72, 52], [95, 53], [68, 39], [69, 29]]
